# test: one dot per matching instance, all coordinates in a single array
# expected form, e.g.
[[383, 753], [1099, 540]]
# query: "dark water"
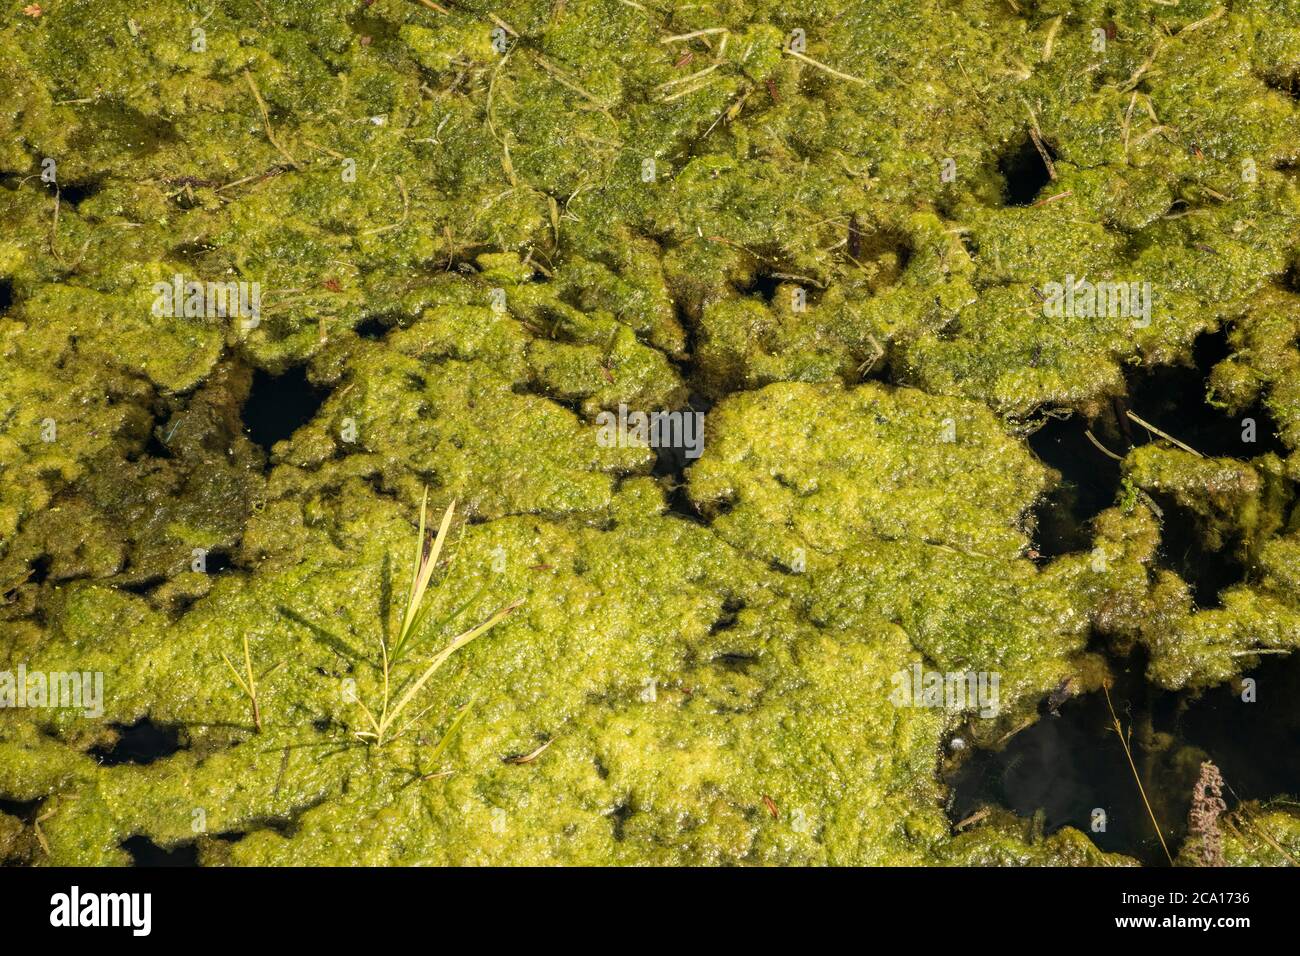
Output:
[[278, 405], [1089, 485], [1064, 766], [1174, 398], [144, 852], [141, 743], [1024, 172]]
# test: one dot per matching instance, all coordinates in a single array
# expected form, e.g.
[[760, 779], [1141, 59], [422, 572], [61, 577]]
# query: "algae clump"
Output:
[[468, 246]]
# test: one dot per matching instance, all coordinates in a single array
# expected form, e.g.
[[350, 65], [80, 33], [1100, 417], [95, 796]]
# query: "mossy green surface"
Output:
[[475, 252]]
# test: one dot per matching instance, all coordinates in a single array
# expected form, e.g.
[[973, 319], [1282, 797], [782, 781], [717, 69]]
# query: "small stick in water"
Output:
[[1165, 435]]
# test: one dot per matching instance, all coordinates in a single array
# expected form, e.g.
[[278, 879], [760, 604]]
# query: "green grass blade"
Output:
[[451, 732], [238, 679], [415, 565], [441, 658], [420, 626], [414, 610]]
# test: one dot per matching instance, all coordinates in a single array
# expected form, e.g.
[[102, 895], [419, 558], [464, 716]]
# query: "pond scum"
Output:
[[418, 248]]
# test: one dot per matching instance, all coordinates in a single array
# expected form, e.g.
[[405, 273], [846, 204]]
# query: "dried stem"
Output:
[[248, 683], [1123, 740], [266, 121], [1165, 435]]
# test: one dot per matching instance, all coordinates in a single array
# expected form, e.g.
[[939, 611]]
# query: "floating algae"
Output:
[[832, 228]]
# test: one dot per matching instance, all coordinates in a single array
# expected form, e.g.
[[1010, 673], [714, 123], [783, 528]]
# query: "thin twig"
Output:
[[249, 685], [686, 79], [503, 25], [1132, 81], [529, 757], [1050, 42], [1151, 503], [40, 835], [563, 79], [1027, 722], [1165, 435], [268, 174], [1119, 732], [822, 66], [1197, 24], [1128, 119], [266, 121], [693, 34], [1100, 447], [687, 92], [974, 818], [1258, 828], [406, 213], [1042, 151], [54, 229], [1061, 195]]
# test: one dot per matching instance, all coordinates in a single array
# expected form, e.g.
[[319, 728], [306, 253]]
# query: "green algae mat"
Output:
[[821, 396]]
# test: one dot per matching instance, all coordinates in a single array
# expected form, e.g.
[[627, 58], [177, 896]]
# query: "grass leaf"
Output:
[[441, 658]]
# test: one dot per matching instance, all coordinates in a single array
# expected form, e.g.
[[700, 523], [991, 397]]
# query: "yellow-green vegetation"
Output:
[[473, 243], [415, 617]]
